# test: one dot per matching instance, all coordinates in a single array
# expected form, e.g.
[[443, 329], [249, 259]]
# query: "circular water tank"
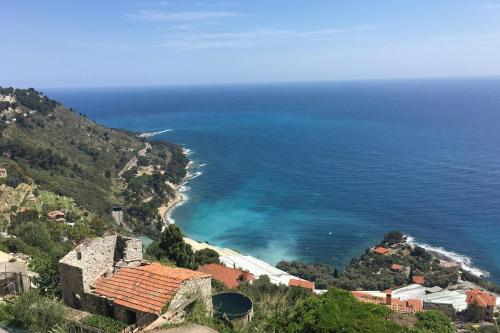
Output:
[[232, 306]]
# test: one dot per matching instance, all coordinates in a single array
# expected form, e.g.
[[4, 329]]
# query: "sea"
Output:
[[320, 171]]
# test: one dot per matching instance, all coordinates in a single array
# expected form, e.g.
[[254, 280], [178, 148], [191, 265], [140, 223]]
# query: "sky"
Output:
[[61, 43]]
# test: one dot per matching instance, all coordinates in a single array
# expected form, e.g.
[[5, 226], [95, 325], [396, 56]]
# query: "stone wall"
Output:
[[82, 266], [201, 288], [71, 284]]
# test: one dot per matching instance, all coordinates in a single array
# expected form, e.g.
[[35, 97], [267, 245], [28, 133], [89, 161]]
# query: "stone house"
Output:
[[108, 276], [3, 172]]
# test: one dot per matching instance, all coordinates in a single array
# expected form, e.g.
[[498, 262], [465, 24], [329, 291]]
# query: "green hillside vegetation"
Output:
[[57, 159], [69, 155], [29, 197], [281, 309], [372, 271]]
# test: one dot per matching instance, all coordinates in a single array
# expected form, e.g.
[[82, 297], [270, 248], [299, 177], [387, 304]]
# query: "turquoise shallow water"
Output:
[[320, 171]]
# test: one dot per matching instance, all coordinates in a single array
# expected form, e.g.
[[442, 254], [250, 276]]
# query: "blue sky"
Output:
[[111, 43]]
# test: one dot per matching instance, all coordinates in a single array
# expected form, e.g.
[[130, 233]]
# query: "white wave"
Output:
[[463, 261], [184, 189], [191, 176], [168, 216], [150, 134]]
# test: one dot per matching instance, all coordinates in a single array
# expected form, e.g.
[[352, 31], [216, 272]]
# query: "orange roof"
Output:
[[415, 304], [481, 298], [396, 267], [144, 288], [55, 214], [362, 295], [418, 279], [229, 276], [381, 250], [301, 283]]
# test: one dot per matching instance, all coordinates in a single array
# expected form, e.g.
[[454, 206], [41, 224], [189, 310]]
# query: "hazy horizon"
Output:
[[156, 43]]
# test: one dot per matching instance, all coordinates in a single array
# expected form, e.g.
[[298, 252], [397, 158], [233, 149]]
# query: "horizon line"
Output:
[[256, 82]]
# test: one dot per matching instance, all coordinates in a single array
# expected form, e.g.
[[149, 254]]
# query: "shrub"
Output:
[[393, 237], [206, 256], [334, 311], [36, 313], [104, 323], [434, 321]]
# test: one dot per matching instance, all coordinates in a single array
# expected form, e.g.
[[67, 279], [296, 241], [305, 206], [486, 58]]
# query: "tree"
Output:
[[206, 256], [172, 247], [47, 281], [393, 237], [421, 253]]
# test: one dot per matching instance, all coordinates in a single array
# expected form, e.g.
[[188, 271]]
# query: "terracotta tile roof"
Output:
[[56, 214], [301, 283], [144, 288], [381, 250], [411, 305], [396, 267], [363, 295], [481, 298], [418, 279], [229, 276]]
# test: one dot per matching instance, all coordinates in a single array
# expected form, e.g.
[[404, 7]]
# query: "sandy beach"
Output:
[[168, 206], [166, 209]]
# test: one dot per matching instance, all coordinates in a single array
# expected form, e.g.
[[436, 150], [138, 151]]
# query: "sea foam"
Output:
[[184, 188], [150, 134], [463, 261]]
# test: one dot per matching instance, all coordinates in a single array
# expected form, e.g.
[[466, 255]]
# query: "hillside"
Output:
[[57, 150]]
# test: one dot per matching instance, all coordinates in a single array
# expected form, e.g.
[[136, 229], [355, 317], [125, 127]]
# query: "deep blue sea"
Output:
[[319, 171]]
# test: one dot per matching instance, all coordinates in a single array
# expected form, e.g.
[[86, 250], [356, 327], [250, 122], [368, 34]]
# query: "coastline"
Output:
[[449, 258], [180, 197], [235, 259]]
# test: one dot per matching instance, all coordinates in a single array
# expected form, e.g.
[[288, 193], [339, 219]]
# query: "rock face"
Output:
[[81, 267]]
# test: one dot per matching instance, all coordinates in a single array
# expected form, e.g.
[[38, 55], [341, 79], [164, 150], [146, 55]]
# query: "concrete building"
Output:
[[484, 301], [117, 213], [387, 298], [14, 277], [108, 276]]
